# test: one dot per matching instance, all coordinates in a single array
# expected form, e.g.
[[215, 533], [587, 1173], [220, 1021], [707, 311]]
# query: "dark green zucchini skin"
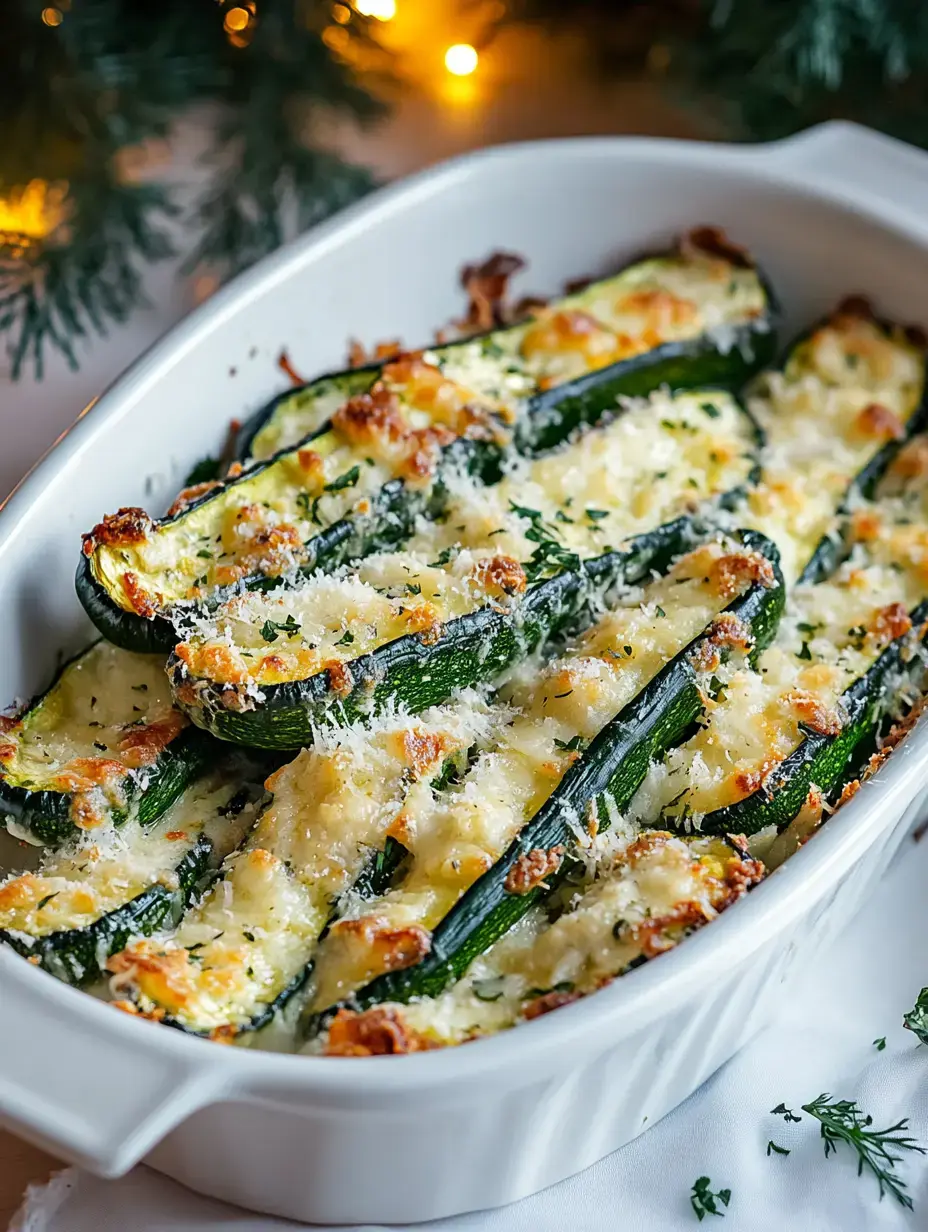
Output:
[[824, 760], [47, 814], [547, 420], [473, 650], [78, 955], [611, 770]]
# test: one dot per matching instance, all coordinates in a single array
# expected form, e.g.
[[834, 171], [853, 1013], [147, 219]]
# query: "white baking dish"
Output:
[[399, 1140]]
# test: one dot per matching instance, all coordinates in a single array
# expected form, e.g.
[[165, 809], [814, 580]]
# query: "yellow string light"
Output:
[[52, 16], [30, 213], [383, 10], [236, 19], [341, 13], [461, 59]]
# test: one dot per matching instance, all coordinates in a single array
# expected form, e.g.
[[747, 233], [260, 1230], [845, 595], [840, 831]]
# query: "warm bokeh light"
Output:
[[236, 19], [52, 17], [341, 13], [336, 38], [30, 213], [461, 59], [383, 10]]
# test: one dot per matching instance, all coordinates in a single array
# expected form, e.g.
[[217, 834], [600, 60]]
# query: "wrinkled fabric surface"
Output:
[[856, 992]]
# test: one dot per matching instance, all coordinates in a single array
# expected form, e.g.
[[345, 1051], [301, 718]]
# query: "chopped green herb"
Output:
[[841, 1120], [596, 515], [780, 1150], [43, 902], [445, 556], [489, 989], [659, 611], [247, 935], [710, 409], [98, 745], [204, 554], [270, 628], [140, 688], [348, 480], [916, 1020], [785, 1113], [204, 470], [576, 744], [704, 1201], [561, 516], [880, 1044], [412, 588], [346, 639], [805, 652], [567, 694]]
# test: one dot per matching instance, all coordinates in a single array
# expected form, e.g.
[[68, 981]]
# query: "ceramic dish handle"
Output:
[[857, 159], [102, 1109]]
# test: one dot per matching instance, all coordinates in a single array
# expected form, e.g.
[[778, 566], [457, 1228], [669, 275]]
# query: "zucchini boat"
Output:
[[238, 957], [357, 485], [699, 315], [645, 898], [845, 653], [88, 898], [591, 794], [103, 742], [469, 598], [848, 394]]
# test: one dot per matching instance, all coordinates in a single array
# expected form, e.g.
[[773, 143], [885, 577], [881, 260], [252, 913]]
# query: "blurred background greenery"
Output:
[[219, 128]]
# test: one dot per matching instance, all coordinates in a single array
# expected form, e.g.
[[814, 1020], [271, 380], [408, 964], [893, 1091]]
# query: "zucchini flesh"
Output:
[[238, 957], [102, 743], [644, 897], [835, 667], [358, 484], [473, 593], [87, 899], [554, 713], [686, 318], [595, 789], [833, 416]]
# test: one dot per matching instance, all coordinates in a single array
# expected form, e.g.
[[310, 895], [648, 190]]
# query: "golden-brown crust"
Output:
[[139, 598], [889, 622], [285, 364], [142, 745], [911, 462], [713, 242], [877, 422], [813, 713], [733, 573], [188, 496], [124, 528], [340, 679], [421, 749], [499, 575], [377, 1032], [388, 949], [531, 869], [487, 286], [359, 357], [370, 418], [726, 630]]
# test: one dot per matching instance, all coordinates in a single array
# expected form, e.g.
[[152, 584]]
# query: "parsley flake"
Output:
[[704, 1202]]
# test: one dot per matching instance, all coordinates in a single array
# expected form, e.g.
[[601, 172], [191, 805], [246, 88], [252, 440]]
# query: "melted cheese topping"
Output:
[[92, 735], [831, 634], [256, 930], [555, 713], [642, 902], [664, 299], [261, 523], [81, 882], [847, 391], [661, 458]]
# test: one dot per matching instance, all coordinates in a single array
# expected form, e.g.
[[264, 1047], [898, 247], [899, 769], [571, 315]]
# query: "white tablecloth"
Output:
[[856, 993]]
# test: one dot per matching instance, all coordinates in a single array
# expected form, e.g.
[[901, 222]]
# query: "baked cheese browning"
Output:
[[831, 635], [664, 456], [641, 903], [672, 298], [81, 882], [849, 389], [661, 459], [249, 941], [555, 713], [94, 734]]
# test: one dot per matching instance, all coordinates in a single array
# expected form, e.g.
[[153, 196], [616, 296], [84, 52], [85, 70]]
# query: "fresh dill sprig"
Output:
[[704, 1201], [917, 1018], [841, 1120]]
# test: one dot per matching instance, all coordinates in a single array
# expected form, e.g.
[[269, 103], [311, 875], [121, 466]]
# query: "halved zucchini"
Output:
[[470, 597], [848, 394], [357, 485], [238, 956], [555, 711], [645, 898], [103, 742], [593, 792], [86, 900]]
